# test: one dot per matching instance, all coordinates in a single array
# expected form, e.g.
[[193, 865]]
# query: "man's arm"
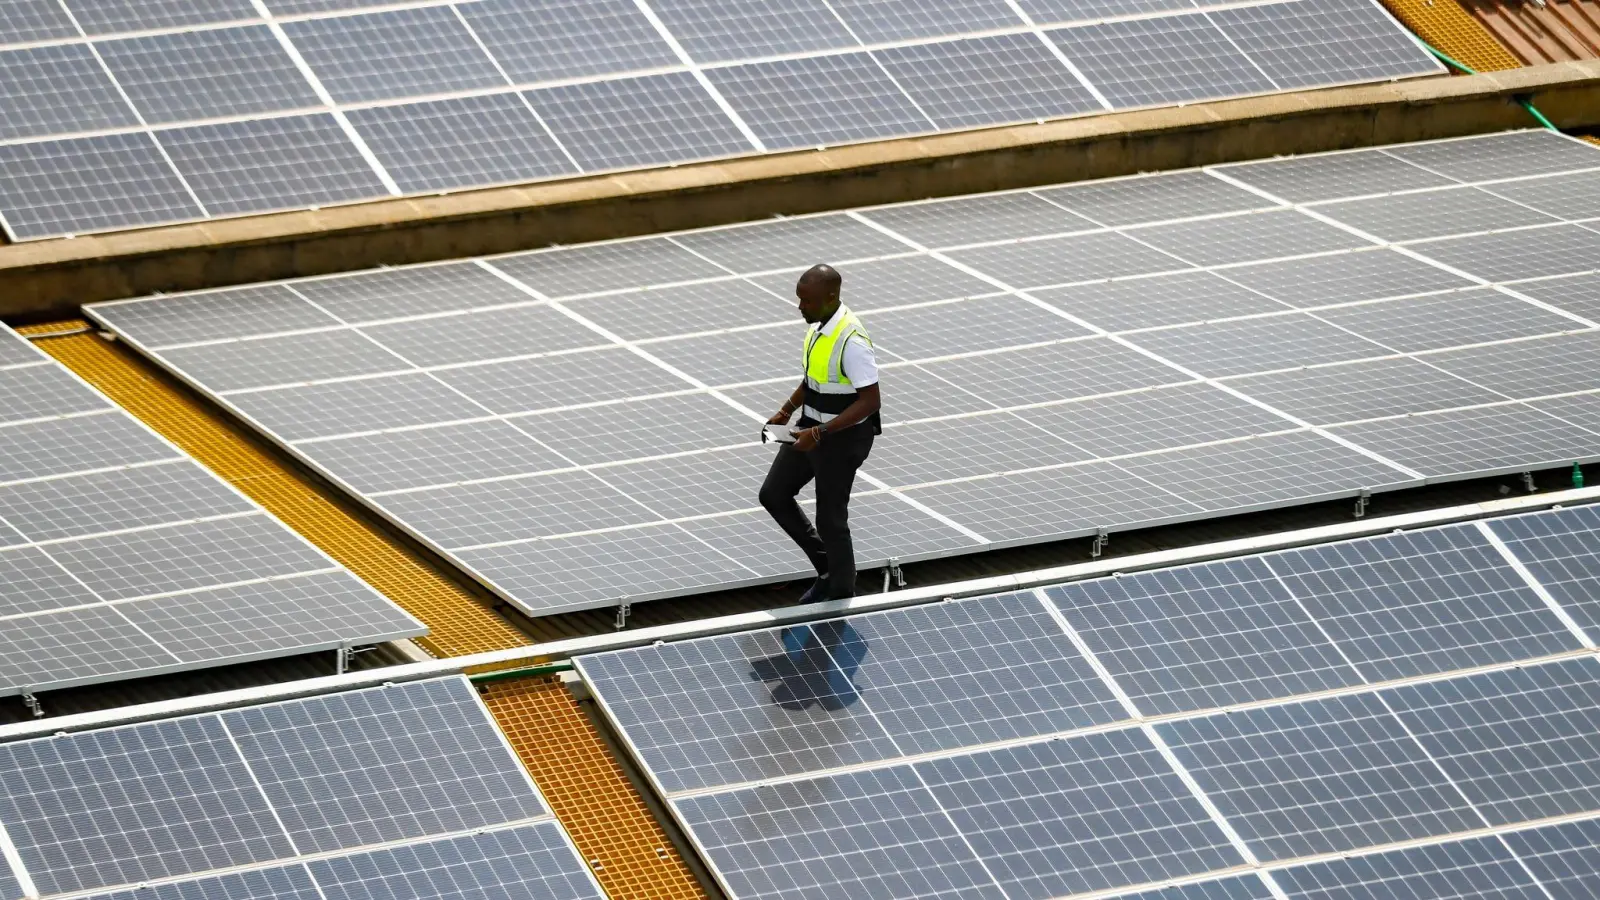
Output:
[[868, 400], [789, 406]]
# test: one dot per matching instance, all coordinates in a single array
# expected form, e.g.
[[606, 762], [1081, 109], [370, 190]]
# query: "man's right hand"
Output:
[[779, 418]]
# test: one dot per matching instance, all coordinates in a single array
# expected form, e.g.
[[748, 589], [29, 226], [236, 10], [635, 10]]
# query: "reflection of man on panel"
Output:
[[838, 400]]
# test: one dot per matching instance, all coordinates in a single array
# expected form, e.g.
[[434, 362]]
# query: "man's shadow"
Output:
[[817, 667]]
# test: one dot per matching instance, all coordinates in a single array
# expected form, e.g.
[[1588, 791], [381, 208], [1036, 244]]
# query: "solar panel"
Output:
[[718, 30], [1564, 196], [1422, 602], [544, 362], [877, 21], [1202, 637], [1335, 42], [323, 797], [1565, 858], [819, 100], [57, 90], [1428, 214], [216, 74], [631, 122], [987, 80], [1536, 252], [1476, 868], [116, 16], [34, 20], [34, 392], [399, 53], [1172, 59], [567, 38], [1578, 294], [465, 142], [90, 184], [1553, 546], [1500, 156], [1247, 887]]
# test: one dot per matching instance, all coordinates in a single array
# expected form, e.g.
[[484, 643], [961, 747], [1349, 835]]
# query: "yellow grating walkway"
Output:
[[608, 820], [1445, 25], [459, 622]]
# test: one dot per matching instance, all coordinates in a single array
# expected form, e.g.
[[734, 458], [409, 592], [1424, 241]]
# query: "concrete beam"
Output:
[[55, 277]]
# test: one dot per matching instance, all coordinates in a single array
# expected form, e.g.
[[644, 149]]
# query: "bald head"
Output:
[[818, 292]]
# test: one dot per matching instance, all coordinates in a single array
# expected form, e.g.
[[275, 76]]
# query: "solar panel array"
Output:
[[1412, 715], [400, 791], [117, 115], [578, 426], [122, 557]]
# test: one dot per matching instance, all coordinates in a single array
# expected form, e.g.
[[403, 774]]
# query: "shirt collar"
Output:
[[832, 325]]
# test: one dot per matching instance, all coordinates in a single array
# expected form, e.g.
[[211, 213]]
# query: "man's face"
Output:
[[814, 299]]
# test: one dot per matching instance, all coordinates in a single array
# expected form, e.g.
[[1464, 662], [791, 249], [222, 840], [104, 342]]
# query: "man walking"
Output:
[[838, 400]]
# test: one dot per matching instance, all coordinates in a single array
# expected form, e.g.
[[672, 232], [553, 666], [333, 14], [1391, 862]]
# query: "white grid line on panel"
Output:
[[1058, 53], [111, 604], [95, 471], [56, 418], [12, 858], [115, 532], [699, 74], [115, 609], [1521, 569]]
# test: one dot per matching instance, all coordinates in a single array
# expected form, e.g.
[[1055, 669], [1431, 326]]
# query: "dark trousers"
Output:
[[833, 464]]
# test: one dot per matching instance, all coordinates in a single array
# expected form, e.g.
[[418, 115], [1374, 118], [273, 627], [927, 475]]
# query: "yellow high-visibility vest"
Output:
[[828, 391]]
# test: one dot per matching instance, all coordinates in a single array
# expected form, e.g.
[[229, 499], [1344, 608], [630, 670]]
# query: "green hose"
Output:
[[1463, 67]]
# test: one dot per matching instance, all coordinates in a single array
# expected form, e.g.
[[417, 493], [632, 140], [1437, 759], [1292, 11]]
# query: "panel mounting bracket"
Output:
[[31, 701], [1102, 537], [623, 609], [1363, 500], [1527, 482], [342, 657], [893, 570]]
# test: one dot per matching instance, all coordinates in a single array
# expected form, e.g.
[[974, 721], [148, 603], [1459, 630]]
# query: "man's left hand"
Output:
[[807, 440]]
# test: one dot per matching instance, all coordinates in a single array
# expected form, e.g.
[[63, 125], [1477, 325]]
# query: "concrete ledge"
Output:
[[55, 277]]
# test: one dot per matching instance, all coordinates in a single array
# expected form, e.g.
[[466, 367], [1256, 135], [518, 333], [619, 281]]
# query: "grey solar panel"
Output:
[[1565, 858], [469, 515], [611, 433], [1154, 198], [57, 90], [819, 100], [1054, 503], [117, 16], [443, 454], [1532, 368], [40, 392], [886, 837], [1514, 255], [1555, 546], [946, 449], [1344, 278], [1579, 294], [1369, 389], [1458, 443], [1063, 260], [550, 41], [1218, 349], [1294, 467], [32, 450], [1329, 42], [1416, 603], [1477, 868], [1573, 196], [1481, 728], [695, 484], [398, 53], [875, 21], [461, 142], [592, 269], [720, 30], [967, 326], [972, 220], [790, 243], [1430, 214], [987, 80], [52, 188], [1174, 299], [532, 860], [878, 283], [349, 407], [603, 568], [649, 120], [1245, 887], [209, 74], [126, 805], [286, 883], [1203, 637], [385, 764], [103, 646], [10, 537], [1581, 410], [1374, 783], [79, 505], [290, 7], [909, 393], [265, 164], [1055, 372], [1159, 419], [734, 357], [15, 350], [685, 309], [213, 315], [33, 582], [1171, 59], [1357, 173], [415, 290], [279, 361], [483, 335], [296, 614], [1510, 155], [22, 21], [1448, 320], [549, 382], [1076, 815], [1247, 238]]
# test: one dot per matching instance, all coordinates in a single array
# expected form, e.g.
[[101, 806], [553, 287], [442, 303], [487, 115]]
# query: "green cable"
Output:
[[1463, 67]]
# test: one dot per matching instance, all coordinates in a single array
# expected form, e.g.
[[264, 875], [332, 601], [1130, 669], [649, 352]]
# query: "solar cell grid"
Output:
[[1520, 743], [1457, 443], [104, 646], [39, 392], [1554, 547], [1571, 197], [732, 357], [720, 30], [695, 484], [351, 407], [1247, 238], [415, 290], [1374, 783], [1526, 253], [287, 883], [567, 38], [596, 268], [630, 122], [973, 220], [1173, 59], [1153, 198], [897, 281], [34, 20], [1333, 42], [1448, 320], [398, 53], [819, 100], [1370, 389], [89, 184], [1477, 868], [1061, 371], [1422, 602], [1430, 214], [16, 350], [611, 433], [214, 315], [1064, 260], [1524, 369], [31, 450], [967, 326], [1579, 294], [1565, 858], [1343, 278], [34, 582], [551, 382], [1356, 173], [1070, 816], [1509, 155], [469, 515], [79, 505], [462, 142], [988, 80], [1581, 410], [116, 16], [1203, 637], [1175, 299], [207, 74], [1247, 887], [432, 456], [533, 860], [57, 90], [776, 244], [1159, 419], [483, 335], [685, 309], [946, 449], [1219, 349], [875, 21], [280, 361]]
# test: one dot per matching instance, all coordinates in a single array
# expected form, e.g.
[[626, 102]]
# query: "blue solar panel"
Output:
[[1558, 547], [529, 861], [1565, 858], [288, 883], [1481, 868]]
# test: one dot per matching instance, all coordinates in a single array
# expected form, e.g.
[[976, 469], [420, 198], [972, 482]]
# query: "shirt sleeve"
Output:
[[860, 363]]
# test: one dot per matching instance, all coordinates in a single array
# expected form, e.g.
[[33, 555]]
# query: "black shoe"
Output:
[[818, 591]]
